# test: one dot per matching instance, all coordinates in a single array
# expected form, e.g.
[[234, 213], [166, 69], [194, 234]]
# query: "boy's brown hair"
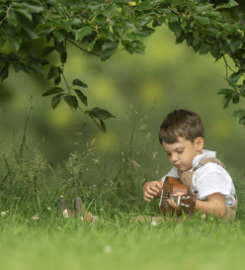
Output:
[[180, 123]]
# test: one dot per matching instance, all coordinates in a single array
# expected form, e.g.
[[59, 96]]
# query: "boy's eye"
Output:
[[179, 152], [168, 154]]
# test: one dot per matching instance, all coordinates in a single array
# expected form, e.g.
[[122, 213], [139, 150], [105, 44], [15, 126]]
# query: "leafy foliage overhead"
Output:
[[100, 28]]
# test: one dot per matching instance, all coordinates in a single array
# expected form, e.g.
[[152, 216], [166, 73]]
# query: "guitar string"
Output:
[[168, 196]]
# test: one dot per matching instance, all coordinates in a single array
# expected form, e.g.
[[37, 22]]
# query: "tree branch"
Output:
[[227, 66], [174, 11], [7, 12], [82, 48]]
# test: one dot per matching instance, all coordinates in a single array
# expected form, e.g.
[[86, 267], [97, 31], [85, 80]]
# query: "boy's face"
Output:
[[182, 153]]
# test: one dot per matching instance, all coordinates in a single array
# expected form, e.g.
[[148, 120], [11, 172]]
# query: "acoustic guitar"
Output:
[[186, 202]]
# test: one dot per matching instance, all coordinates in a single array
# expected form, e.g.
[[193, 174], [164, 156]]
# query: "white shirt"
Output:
[[209, 179]]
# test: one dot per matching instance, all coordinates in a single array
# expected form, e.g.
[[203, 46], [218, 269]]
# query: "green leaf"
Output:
[[34, 7], [159, 2], [215, 51], [25, 12], [110, 10], [106, 33], [225, 92], [233, 3], [36, 66], [82, 97], [11, 18], [235, 97], [99, 113], [132, 35], [59, 35], [236, 75], [236, 43], [242, 92], [47, 51], [91, 45], [62, 10], [232, 83], [172, 17], [145, 31], [52, 2], [139, 47], [242, 63], [59, 46], [30, 33], [202, 19], [204, 7], [110, 45], [17, 65], [71, 102], [176, 28], [128, 46], [242, 121], [2, 42], [65, 26], [44, 29], [15, 42], [100, 124], [51, 72], [13, 56], [75, 22], [238, 113], [57, 71], [197, 41], [63, 57], [119, 31], [79, 83], [4, 72], [212, 31], [81, 33], [144, 6], [52, 91], [57, 80], [204, 48], [222, 6], [106, 54], [56, 100], [226, 100]]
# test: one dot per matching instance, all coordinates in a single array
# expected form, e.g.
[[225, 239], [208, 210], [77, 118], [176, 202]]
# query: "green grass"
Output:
[[59, 243], [29, 187]]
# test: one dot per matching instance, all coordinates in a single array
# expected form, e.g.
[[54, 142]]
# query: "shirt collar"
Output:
[[198, 158]]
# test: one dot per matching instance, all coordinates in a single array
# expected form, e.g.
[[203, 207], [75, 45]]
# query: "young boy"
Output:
[[182, 136]]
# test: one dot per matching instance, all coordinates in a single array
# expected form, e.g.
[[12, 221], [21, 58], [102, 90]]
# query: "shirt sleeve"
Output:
[[210, 179], [172, 173]]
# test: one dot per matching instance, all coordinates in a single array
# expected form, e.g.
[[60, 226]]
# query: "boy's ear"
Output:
[[199, 143]]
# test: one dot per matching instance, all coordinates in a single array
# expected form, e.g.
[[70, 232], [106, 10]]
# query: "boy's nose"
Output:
[[174, 157]]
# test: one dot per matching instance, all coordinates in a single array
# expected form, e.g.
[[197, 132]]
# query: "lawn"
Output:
[[54, 242], [30, 188]]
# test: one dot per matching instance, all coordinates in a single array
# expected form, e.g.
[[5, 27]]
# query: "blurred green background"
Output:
[[167, 77]]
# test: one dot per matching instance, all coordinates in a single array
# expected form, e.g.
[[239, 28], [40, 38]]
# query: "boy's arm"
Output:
[[152, 190], [215, 205]]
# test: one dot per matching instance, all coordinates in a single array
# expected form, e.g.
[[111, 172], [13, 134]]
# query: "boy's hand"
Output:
[[171, 201], [152, 190]]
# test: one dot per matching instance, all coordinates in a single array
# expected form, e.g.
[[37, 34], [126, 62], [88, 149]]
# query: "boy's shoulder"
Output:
[[210, 160], [212, 170]]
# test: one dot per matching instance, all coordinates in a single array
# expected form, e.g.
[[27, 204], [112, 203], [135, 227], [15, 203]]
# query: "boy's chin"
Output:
[[183, 168]]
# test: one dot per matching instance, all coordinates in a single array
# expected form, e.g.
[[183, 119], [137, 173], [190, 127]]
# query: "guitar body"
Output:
[[171, 186]]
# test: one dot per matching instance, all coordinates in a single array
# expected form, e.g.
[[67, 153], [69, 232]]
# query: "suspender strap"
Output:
[[210, 159]]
